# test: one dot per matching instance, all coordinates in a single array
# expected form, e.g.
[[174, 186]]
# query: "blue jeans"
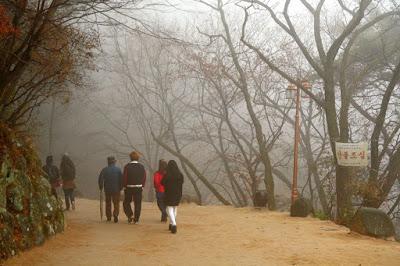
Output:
[[161, 205]]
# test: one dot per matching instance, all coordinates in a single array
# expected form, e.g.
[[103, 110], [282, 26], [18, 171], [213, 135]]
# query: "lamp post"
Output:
[[306, 85]]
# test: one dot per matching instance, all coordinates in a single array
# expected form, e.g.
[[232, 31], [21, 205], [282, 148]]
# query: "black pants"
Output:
[[133, 194], [161, 205], [69, 197], [114, 198]]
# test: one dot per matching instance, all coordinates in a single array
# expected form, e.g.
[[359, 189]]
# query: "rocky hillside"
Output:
[[28, 212]]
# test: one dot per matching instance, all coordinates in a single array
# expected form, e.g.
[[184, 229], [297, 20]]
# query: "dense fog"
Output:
[[213, 85]]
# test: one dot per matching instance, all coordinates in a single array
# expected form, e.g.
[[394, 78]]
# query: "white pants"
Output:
[[172, 212]]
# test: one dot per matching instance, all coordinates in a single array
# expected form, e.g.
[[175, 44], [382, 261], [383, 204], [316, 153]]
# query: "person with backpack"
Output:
[[134, 179], [52, 175], [110, 179], [172, 183], [67, 172], [157, 178]]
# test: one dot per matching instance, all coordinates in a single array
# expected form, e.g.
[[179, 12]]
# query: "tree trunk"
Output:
[[51, 125], [269, 181], [343, 186], [386, 183], [321, 192], [343, 192], [243, 86]]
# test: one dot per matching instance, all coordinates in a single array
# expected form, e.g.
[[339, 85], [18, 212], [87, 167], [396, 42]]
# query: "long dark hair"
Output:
[[67, 167], [173, 170], [65, 160], [162, 166]]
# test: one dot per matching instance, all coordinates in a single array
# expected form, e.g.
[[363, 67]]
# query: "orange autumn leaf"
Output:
[[5, 26]]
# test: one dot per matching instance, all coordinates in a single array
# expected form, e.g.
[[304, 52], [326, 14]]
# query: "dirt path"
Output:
[[207, 236]]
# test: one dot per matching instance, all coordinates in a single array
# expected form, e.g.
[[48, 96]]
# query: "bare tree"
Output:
[[240, 79], [153, 80], [326, 53]]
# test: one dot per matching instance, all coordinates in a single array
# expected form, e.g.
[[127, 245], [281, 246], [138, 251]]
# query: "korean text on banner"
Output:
[[352, 154]]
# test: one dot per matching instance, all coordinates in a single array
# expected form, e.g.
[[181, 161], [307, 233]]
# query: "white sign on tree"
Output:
[[352, 154]]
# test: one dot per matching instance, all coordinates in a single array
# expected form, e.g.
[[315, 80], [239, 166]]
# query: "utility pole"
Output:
[[306, 85], [295, 192]]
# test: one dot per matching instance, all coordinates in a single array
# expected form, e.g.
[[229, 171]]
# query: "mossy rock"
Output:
[[301, 208], [8, 246], [23, 230], [372, 222], [11, 178], [38, 235], [5, 168], [42, 187], [25, 183], [28, 211], [15, 199], [3, 192], [59, 222], [35, 212], [49, 228], [32, 214]]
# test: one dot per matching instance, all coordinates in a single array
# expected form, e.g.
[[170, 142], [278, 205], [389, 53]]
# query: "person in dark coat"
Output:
[[67, 172], [172, 183], [134, 179], [110, 179], [52, 174], [157, 178]]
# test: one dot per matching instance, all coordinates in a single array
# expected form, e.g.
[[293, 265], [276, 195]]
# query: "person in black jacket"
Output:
[[133, 181], [172, 182], [52, 175], [110, 179]]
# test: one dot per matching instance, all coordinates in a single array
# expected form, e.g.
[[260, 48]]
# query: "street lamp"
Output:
[[294, 88]]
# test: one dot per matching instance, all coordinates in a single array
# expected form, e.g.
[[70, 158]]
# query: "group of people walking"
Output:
[[65, 178], [168, 181]]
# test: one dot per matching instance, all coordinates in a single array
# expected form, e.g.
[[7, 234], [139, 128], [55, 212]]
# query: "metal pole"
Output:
[[296, 147]]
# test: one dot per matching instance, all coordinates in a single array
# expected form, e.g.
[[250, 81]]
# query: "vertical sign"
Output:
[[352, 154]]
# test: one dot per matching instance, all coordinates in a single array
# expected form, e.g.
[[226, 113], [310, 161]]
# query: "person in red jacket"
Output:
[[158, 176]]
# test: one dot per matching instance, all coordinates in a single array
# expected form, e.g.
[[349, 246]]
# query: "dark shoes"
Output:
[[135, 221], [173, 229], [68, 207], [163, 219], [115, 219]]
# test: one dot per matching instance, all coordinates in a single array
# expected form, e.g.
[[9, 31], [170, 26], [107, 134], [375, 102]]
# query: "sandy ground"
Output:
[[212, 235]]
